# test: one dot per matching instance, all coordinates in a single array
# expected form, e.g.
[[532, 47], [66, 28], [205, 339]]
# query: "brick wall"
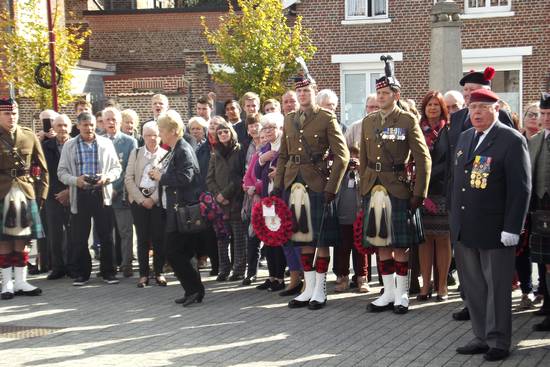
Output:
[[409, 33]]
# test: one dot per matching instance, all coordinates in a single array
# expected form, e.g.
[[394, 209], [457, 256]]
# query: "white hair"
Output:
[[151, 125], [325, 94], [197, 120], [62, 118], [459, 98], [48, 114], [272, 118], [115, 111]]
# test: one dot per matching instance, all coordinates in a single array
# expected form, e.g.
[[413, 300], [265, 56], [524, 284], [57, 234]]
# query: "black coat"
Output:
[[180, 180], [52, 155], [440, 157], [480, 215], [204, 151]]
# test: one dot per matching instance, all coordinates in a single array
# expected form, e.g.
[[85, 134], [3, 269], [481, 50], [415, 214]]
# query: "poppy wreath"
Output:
[[269, 237], [358, 235]]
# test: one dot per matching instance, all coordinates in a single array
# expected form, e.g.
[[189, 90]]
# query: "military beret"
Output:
[[479, 77], [545, 100], [484, 95]]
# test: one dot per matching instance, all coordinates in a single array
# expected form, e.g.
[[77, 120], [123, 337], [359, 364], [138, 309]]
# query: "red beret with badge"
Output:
[[484, 95]]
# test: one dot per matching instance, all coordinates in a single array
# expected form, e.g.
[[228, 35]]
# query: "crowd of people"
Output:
[[431, 190]]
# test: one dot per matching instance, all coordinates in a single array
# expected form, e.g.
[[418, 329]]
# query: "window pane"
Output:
[[379, 7], [356, 8], [355, 94], [506, 85]]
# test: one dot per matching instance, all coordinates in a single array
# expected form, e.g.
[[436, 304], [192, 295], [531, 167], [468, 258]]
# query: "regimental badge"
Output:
[[394, 133], [480, 172]]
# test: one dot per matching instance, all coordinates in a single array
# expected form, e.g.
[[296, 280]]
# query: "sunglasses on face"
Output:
[[223, 132], [532, 115]]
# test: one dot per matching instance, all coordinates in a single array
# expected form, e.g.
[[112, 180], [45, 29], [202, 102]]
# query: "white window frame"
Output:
[[356, 64], [365, 19], [502, 59], [487, 11]]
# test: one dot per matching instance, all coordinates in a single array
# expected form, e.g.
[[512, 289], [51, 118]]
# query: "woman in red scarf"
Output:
[[435, 218]]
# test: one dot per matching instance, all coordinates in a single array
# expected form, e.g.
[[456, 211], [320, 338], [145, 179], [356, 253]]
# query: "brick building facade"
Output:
[[350, 36]]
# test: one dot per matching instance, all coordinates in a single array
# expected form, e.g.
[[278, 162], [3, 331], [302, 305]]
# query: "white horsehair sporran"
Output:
[[380, 207]]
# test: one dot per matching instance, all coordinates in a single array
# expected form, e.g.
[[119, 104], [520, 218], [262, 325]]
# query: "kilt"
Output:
[[540, 248], [436, 223], [406, 228], [37, 230], [326, 232]]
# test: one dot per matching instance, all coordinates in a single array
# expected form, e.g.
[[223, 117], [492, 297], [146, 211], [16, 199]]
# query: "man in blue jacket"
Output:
[[491, 187]]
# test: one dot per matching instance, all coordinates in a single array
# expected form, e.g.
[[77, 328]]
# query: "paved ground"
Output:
[[121, 325]]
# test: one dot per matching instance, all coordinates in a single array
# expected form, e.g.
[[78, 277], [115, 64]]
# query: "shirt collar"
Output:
[[486, 131]]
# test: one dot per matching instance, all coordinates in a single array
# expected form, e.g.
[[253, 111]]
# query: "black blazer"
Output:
[[52, 155], [480, 215], [180, 180], [440, 157]]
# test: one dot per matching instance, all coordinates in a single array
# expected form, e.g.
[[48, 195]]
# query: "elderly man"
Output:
[[88, 165], [539, 150], [353, 134], [46, 118], [57, 203], [124, 145], [454, 100], [491, 186], [20, 188]]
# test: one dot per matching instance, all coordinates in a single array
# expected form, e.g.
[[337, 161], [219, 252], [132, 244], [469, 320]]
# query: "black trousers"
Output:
[[276, 261], [90, 205], [253, 255], [150, 231], [57, 218], [180, 250], [208, 246]]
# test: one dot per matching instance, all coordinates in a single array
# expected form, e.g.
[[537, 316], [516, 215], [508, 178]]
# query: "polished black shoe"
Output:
[[235, 277], [400, 309], [80, 281], [297, 304], [181, 300], [542, 312], [193, 298], [316, 305], [6, 295], [110, 279], [56, 274], [496, 354], [249, 280], [473, 349], [371, 307], [543, 326], [292, 291], [221, 278], [276, 286], [35, 292], [462, 315], [265, 285]]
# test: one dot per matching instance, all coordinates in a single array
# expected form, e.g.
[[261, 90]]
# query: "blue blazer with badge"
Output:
[[482, 212]]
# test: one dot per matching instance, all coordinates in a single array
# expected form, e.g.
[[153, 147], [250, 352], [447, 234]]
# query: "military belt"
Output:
[[15, 172], [297, 159], [380, 167]]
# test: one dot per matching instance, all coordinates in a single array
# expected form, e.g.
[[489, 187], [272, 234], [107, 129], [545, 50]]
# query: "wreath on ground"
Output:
[[272, 230]]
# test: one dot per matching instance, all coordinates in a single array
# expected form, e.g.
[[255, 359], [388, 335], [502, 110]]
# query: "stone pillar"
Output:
[[445, 46]]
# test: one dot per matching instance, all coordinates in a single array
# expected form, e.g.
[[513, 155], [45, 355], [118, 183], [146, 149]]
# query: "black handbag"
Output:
[[540, 222], [189, 219]]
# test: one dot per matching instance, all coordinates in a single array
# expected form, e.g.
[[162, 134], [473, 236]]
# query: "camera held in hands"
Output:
[[92, 179]]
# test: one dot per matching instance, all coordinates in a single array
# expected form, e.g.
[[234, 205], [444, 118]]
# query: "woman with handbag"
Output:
[[143, 196], [225, 173], [177, 178], [434, 213]]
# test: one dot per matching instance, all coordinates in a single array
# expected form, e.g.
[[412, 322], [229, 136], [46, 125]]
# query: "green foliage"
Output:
[[27, 45], [259, 46]]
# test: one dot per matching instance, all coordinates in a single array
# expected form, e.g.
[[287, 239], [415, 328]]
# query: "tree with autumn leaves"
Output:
[[24, 45], [257, 47]]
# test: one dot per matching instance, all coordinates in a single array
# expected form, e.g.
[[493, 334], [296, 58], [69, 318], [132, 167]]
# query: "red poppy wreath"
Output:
[[272, 230]]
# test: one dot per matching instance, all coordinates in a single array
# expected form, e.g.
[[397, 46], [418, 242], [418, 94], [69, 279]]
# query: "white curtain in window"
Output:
[[356, 8], [379, 7]]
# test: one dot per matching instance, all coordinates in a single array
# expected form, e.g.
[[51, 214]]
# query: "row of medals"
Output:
[[478, 180]]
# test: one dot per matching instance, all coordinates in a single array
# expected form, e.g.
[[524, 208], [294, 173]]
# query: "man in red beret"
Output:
[[491, 187]]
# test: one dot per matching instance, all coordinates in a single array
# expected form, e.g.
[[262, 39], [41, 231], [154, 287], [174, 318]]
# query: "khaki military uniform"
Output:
[[29, 148], [389, 142], [322, 132]]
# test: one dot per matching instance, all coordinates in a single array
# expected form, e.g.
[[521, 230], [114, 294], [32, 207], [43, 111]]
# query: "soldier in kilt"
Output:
[[539, 151], [391, 216], [310, 135], [22, 171]]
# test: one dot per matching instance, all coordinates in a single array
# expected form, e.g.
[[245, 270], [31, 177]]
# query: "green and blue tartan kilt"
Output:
[[37, 230], [326, 233], [406, 228], [540, 248]]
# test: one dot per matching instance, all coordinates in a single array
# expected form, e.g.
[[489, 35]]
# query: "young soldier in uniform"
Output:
[[20, 222], [539, 150], [389, 136], [308, 135]]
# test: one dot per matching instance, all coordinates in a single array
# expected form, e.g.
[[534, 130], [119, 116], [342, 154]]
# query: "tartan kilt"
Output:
[[406, 229], [540, 248], [37, 230], [325, 233]]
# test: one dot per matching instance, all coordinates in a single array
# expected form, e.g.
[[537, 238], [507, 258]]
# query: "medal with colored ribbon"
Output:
[[480, 172]]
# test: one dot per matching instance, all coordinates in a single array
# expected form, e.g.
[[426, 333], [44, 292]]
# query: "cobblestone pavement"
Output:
[[121, 325]]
